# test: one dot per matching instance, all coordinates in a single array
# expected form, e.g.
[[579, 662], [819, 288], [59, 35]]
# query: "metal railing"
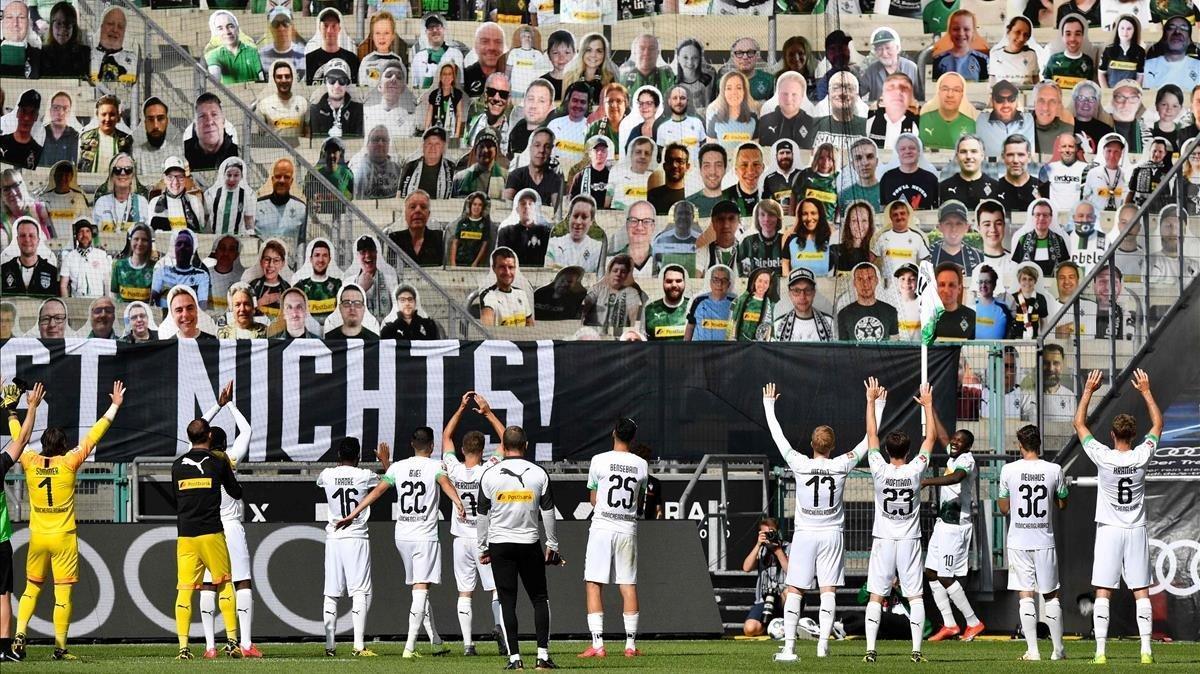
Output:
[[165, 68], [1129, 306]]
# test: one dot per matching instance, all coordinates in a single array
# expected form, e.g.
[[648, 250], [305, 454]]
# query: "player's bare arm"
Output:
[[925, 400], [874, 392], [452, 424], [1080, 420], [32, 399], [1141, 382], [483, 407], [451, 493]]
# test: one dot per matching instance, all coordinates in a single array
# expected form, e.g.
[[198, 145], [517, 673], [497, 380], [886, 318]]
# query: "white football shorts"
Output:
[[949, 549], [1033, 570], [816, 559], [1121, 553], [891, 559], [347, 566], [611, 557], [422, 561], [469, 574]]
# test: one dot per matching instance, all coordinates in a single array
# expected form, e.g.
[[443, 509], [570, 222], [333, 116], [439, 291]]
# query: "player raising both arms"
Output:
[[200, 479], [612, 538], [950, 543], [1032, 560], [348, 550], [417, 480], [19, 437], [1122, 546], [896, 550], [464, 475], [816, 557], [237, 594], [53, 545]]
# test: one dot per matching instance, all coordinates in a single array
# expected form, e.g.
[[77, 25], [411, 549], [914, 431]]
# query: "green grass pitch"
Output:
[[723, 655]]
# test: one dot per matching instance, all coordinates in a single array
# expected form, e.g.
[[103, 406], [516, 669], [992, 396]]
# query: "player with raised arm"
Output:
[[950, 544], [348, 549], [896, 550], [612, 537], [19, 434], [53, 544], [1122, 546], [199, 481], [238, 593], [816, 557], [1032, 561], [418, 481], [464, 474]]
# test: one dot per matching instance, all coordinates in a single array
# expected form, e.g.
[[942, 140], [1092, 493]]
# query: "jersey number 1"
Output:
[[49, 492]]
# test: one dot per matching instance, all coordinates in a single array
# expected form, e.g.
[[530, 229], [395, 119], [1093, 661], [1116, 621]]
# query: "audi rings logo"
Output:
[[1176, 567]]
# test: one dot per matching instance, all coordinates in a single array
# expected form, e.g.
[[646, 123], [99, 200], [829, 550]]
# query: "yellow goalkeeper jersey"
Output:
[[50, 481]]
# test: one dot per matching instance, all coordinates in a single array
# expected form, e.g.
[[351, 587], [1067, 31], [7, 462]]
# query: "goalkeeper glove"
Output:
[[12, 393], [554, 559]]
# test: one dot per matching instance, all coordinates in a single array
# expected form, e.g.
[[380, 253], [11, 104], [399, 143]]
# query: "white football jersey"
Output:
[[466, 482], [1031, 488], [955, 500], [417, 492], [345, 487], [1120, 496], [619, 479], [231, 508], [897, 496], [820, 483]]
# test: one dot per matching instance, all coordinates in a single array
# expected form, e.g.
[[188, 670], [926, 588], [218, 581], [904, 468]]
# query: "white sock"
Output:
[[595, 623], [464, 620], [208, 617], [515, 657], [430, 627], [329, 613], [874, 613], [1145, 621], [941, 599], [543, 653], [1100, 623], [916, 621], [791, 618], [496, 608], [1028, 613], [828, 604], [631, 625], [1054, 622], [360, 603], [960, 602], [416, 616], [245, 614]]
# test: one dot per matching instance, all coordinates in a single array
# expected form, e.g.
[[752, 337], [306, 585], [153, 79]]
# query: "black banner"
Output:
[[690, 399]]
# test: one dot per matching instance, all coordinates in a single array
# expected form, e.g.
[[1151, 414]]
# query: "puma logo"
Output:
[[182, 606], [872, 620], [192, 462], [464, 613], [520, 478]]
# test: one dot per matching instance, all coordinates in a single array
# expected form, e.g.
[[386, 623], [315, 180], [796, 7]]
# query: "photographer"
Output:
[[769, 557]]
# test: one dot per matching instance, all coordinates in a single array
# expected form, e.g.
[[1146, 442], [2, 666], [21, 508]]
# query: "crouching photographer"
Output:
[[769, 559]]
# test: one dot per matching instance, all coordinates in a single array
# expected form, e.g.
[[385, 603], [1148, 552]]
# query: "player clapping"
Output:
[[418, 480], [896, 550], [1122, 545], [348, 549], [465, 474]]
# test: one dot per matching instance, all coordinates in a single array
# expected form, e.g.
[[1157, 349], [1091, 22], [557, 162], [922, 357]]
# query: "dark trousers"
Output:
[[527, 561]]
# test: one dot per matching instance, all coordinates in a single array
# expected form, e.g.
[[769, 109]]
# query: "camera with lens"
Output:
[[774, 538]]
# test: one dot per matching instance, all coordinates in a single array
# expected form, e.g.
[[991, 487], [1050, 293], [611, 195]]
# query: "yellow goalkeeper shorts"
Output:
[[194, 554]]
